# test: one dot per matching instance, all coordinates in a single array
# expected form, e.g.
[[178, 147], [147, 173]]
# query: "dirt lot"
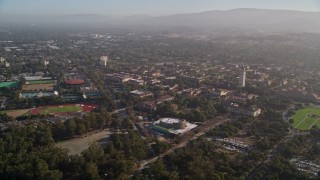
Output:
[[38, 87], [16, 113], [76, 146], [243, 137]]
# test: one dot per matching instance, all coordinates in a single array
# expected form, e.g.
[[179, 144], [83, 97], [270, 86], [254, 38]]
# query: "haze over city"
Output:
[[145, 7], [160, 90]]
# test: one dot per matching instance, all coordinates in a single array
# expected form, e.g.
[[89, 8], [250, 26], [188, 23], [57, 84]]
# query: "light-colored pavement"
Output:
[[77, 145]]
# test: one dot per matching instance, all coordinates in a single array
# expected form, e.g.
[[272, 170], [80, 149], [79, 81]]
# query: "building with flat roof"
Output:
[[164, 98], [119, 77], [173, 126], [74, 81], [220, 92], [90, 92], [148, 106], [172, 123], [136, 82], [141, 94], [46, 62]]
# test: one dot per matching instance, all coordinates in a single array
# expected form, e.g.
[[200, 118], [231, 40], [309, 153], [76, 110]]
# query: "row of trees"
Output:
[[279, 168], [193, 109], [201, 159], [29, 153], [78, 126], [229, 129]]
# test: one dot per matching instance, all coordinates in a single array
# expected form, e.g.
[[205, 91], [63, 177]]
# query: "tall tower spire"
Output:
[[242, 78], [104, 60]]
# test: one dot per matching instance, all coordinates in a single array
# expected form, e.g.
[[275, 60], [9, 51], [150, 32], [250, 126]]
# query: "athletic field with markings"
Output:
[[305, 119], [61, 110]]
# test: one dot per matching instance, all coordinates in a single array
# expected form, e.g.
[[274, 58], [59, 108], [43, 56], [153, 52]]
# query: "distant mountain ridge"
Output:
[[259, 19], [245, 18]]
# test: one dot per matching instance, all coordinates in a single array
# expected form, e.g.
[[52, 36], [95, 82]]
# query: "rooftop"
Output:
[[170, 120], [138, 92], [75, 81]]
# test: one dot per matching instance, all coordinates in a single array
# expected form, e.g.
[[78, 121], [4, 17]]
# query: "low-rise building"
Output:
[[148, 106], [164, 98], [136, 82], [191, 92], [119, 77], [172, 126], [90, 92], [172, 123], [141, 94], [74, 82], [220, 92], [244, 111]]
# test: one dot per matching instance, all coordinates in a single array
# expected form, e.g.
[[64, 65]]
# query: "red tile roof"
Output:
[[75, 81]]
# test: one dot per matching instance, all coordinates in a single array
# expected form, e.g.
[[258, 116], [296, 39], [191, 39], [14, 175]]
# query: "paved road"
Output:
[[144, 164]]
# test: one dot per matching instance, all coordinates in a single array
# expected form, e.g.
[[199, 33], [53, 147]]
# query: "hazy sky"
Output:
[[145, 7]]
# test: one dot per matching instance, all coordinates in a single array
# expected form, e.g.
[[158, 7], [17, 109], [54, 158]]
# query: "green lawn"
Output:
[[302, 121], [12, 84], [318, 123], [41, 82], [305, 125], [6, 111], [300, 115], [61, 109]]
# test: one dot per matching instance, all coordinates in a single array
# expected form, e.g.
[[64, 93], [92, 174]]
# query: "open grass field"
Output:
[[38, 87], [305, 118], [41, 82], [15, 113], [61, 110], [64, 109]]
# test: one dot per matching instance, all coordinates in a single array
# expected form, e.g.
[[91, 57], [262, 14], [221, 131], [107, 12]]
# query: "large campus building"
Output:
[[172, 126], [171, 123]]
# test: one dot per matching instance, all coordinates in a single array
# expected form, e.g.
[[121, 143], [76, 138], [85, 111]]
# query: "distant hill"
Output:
[[257, 19], [236, 19]]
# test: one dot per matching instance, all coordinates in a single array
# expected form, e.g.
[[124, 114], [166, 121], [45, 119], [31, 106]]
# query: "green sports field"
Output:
[[60, 109], [12, 84], [305, 118]]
